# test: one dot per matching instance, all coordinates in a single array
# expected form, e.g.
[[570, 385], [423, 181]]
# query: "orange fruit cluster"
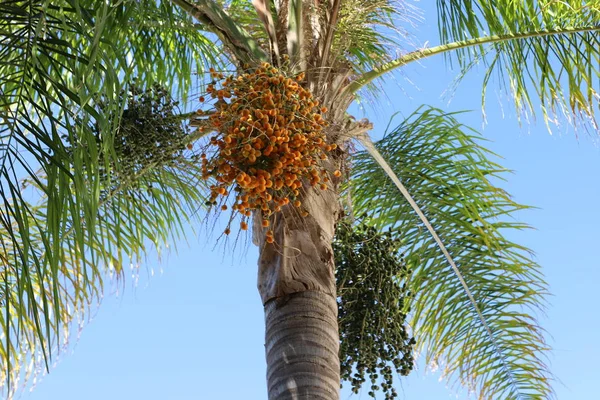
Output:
[[269, 140]]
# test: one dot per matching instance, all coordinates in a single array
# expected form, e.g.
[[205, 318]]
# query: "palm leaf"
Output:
[[133, 218], [57, 61], [545, 49], [368, 33], [493, 347]]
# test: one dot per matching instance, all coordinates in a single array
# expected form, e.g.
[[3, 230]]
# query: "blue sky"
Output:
[[195, 329]]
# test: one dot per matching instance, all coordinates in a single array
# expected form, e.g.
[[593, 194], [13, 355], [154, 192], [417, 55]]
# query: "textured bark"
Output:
[[296, 282], [302, 344], [301, 258]]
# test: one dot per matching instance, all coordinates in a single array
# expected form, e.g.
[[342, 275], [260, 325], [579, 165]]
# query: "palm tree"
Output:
[[96, 169]]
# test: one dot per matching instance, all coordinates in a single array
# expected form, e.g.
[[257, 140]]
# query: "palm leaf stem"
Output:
[[367, 77], [295, 34], [332, 23], [263, 9], [245, 49]]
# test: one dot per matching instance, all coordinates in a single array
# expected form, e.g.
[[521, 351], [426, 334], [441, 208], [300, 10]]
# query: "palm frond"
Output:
[[363, 32], [561, 69], [545, 49], [43, 305], [450, 177], [62, 67], [369, 33], [163, 44]]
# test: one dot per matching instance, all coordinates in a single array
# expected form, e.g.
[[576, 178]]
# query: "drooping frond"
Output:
[[44, 305], [143, 202], [562, 69], [496, 348], [545, 49], [62, 67]]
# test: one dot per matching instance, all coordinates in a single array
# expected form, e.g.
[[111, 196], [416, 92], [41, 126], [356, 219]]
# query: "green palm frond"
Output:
[[465, 19], [562, 69], [545, 49], [43, 303], [450, 177], [368, 33], [62, 67], [161, 44]]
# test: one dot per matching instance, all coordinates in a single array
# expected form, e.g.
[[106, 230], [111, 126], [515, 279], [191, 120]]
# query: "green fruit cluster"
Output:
[[373, 302], [150, 132]]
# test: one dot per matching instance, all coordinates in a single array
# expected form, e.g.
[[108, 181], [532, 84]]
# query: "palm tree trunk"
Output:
[[302, 344], [297, 284]]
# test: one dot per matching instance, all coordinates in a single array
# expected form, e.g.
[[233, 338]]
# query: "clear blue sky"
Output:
[[195, 330]]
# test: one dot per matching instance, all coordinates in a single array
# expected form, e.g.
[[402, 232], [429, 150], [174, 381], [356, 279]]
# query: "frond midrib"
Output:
[[406, 59]]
